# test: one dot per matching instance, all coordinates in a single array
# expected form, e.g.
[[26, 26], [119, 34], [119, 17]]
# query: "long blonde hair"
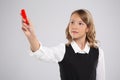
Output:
[[86, 17]]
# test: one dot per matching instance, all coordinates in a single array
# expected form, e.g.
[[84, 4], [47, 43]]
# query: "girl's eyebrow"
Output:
[[75, 20], [71, 20], [80, 21]]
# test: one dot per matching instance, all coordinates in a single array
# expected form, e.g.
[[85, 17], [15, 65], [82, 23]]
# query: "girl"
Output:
[[80, 58]]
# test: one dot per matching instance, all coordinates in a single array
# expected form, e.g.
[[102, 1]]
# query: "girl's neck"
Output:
[[81, 43]]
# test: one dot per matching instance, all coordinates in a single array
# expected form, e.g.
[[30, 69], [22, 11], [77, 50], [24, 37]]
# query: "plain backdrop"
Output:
[[50, 18]]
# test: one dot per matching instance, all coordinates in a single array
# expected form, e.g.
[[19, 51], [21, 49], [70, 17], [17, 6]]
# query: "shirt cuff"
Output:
[[37, 53]]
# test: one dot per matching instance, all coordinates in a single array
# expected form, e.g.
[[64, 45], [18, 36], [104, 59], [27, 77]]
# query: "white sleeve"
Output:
[[101, 66], [52, 54]]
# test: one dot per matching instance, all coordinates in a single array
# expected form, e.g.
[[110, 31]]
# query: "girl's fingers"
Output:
[[24, 24], [29, 20], [24, 29], [23, 20], [27, 28]]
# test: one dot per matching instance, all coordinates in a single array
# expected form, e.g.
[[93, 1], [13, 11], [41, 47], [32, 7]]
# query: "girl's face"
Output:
[[77, 28]]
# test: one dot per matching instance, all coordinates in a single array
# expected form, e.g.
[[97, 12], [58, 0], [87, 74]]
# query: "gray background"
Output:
[[50, 18]]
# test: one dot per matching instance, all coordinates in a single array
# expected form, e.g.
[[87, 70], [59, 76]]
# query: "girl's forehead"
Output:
[[75, 17]]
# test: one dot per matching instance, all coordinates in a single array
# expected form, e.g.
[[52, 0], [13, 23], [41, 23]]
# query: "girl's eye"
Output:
[[71, 22], [81, 23]]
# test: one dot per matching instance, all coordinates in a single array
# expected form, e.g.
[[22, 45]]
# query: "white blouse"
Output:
[[56, 54]]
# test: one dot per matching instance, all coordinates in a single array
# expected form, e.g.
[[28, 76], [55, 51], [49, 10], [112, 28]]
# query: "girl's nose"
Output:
[[75, 25]]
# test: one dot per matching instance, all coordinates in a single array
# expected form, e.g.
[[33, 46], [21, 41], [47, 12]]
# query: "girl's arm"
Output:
[[30, 34], [101, 66], [54, 54]]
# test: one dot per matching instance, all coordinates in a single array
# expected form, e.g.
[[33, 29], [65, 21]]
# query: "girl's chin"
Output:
[[75, 38]]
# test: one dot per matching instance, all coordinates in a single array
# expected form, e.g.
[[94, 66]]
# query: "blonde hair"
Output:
[[86, 17]]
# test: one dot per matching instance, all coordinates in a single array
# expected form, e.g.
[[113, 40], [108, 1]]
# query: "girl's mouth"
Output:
[[74, 32]]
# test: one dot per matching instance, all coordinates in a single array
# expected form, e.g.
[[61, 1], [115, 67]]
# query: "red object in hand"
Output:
[[24, 16]]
